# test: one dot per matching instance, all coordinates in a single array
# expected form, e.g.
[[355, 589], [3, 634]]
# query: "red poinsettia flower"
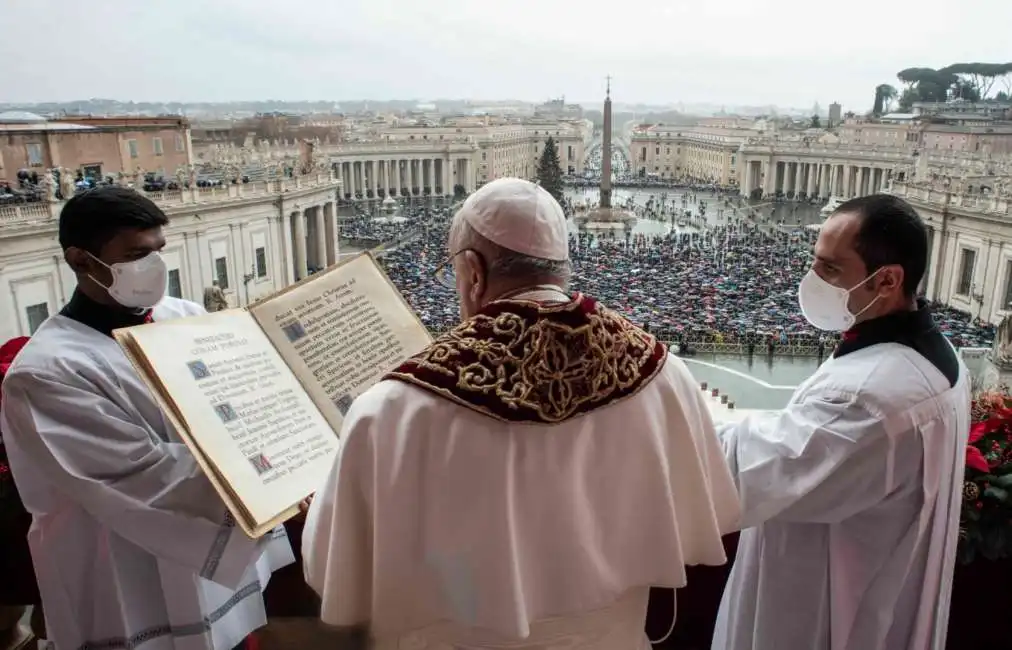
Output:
[[974, 457], [9, 350]]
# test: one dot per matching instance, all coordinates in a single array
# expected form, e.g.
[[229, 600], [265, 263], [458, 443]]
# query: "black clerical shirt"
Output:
[[915, 329], [102, 318]]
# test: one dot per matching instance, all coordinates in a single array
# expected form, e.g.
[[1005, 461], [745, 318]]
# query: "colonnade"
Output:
[[375, 176], [813, 179], [309, 240]]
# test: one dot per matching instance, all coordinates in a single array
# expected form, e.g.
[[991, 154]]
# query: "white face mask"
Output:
[[140, 284], [825, 305]]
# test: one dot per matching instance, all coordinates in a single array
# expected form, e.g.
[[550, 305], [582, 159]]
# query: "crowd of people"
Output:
[[733, 283]]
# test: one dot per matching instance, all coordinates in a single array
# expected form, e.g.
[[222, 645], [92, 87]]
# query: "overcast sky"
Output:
[[785, 52]]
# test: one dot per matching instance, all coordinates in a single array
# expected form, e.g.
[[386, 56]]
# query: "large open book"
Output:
[[259, 394]]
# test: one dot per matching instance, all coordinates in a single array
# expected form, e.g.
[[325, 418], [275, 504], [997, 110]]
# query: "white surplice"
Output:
[[132, 546], [441, 527], [851, 502]]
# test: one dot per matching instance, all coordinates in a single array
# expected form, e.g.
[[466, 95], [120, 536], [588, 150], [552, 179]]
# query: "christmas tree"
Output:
[[549, 170]]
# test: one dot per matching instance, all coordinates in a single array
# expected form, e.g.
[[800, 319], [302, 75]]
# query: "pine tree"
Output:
[[550, 171]]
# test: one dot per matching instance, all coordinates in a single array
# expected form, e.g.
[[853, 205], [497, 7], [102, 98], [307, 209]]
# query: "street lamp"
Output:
[[979, 297], [246, 279]]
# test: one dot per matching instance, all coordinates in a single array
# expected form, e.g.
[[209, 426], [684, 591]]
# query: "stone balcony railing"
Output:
[[380, 147], [946, 198], [19, 214], [882, 152]]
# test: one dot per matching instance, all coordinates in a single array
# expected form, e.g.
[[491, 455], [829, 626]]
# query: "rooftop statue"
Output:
[[47, 186], [1001, 349]]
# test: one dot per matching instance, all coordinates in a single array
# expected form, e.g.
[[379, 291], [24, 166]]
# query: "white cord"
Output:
[[674, 617]]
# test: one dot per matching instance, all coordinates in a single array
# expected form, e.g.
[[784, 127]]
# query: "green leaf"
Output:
[[1004, 481], [996, 492]]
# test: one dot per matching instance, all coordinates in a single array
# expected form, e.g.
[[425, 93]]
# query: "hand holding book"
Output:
[[259, 394]]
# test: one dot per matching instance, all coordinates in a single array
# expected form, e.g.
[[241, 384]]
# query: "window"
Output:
[[132, 146], [156, 145], [175, 286], [37, 314], [180, 142], [221, 272], [261, 258], [1008, 285], [93, 172], [34, 154], [969, 257]]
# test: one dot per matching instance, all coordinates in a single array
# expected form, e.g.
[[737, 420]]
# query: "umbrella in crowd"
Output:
[[729, 283]]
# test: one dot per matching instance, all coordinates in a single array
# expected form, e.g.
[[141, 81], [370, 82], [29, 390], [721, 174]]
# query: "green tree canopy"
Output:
[[969, 81], [550, 171], [884, 93], [815, 124]]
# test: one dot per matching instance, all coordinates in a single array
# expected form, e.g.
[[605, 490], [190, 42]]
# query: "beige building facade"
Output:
[[696, 153], [506, 148], [382, 159], [961, 138], [254, 239], [970, 260], [94, 146]]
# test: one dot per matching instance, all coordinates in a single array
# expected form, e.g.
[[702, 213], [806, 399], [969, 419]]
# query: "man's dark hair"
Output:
[[90, 219], [891, 233]]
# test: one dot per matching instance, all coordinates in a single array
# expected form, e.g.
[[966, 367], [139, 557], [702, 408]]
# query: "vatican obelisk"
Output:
[[605, 216], [605, 201]]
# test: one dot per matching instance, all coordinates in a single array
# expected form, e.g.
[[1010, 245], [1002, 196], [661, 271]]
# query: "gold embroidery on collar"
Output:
[[522, 362]]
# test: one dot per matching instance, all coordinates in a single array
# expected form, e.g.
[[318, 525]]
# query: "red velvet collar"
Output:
[[520, 361]]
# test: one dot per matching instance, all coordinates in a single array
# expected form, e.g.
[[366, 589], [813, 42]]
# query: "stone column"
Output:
[[863, 182], [447, 177], [746, 178], [301, 269], [322, 257], [812, 173], [330, 232], [287, 265], [397, 176], [769, 177]]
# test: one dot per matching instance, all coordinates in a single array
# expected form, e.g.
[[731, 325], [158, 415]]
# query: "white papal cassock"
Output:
[[132, 546], [850, 500], [524, 480]]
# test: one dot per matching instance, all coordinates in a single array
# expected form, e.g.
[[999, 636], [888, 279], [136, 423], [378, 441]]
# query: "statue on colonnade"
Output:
[[47, 186], [67, 183], [214, 298]]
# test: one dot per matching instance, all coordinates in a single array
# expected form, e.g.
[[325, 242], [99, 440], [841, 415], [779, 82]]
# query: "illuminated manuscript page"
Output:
[[242, 406], [340, 331]]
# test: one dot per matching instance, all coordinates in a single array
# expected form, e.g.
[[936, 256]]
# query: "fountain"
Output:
[[391, 211]]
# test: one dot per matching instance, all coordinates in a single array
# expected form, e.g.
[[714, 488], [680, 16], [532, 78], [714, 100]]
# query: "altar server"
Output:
[[527, 477], [132, 547], [851, 495]]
